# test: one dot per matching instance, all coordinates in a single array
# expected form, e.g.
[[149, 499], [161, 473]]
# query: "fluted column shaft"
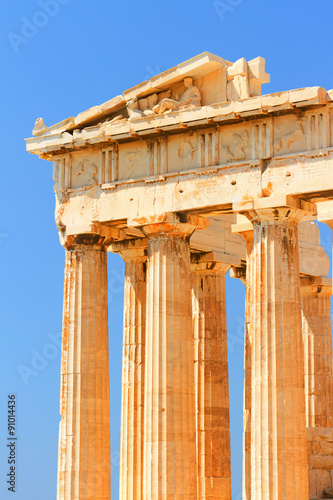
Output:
[[211, 380], [84, 438], [169, 434], [278, 428], [247, 396], [132, 404], [317, 334]]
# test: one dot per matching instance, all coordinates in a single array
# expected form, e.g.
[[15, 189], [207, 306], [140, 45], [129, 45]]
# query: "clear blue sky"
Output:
[[56, 65]]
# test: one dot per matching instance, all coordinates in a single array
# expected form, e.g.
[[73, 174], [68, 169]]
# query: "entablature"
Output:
[[297, 103], [217, 143]]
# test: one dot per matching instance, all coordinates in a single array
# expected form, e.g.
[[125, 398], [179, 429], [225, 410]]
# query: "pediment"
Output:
[[216, 79]]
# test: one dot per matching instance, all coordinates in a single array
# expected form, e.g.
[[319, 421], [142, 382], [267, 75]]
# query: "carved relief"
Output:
[[236, 146], [132, 160], [262, 139], [138, 108], [318, 129], [208, 149], [164, 95], [186, 149], [182, 152], [284, 143], [157, 156], [147, 104], [84, 174], [109, 165], [130, 164], [162, 102], [133, 109], [191, 98]]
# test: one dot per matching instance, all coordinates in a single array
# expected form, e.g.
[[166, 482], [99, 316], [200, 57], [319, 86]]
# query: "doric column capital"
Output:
[[133, 249], [275, 210], [92, 235], [314, 286], [171, 224], [210, 263], [239, 273]]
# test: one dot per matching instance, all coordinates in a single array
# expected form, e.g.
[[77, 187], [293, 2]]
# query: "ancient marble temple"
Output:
[[187, 176]]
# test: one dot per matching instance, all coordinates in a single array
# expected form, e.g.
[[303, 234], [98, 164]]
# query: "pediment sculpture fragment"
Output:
[[39, 127], [238, 81], [190, 99], [133, 106], [163, 103]]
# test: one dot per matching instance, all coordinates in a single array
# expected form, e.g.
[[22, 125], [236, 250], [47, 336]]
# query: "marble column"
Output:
[[132, 401], [318, 361], [246, 231], [247, 395], [211, 378], [278, 428], [318, 368], [169, 433], [84, 438]]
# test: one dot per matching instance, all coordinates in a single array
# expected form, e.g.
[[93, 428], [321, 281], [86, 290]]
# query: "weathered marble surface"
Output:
[[144, 175], [211, 378]]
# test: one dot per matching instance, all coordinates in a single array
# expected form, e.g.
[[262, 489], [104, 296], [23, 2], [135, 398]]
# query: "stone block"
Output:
[[273, 100], [322, 448], [309, 94], [319, 434], [322, 462], [319, 480]]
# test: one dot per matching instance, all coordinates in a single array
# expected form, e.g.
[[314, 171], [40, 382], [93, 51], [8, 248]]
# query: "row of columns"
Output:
[[184, 431], [175, 441]]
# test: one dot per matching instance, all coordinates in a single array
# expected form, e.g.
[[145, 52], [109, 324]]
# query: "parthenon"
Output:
[[187, 176]]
